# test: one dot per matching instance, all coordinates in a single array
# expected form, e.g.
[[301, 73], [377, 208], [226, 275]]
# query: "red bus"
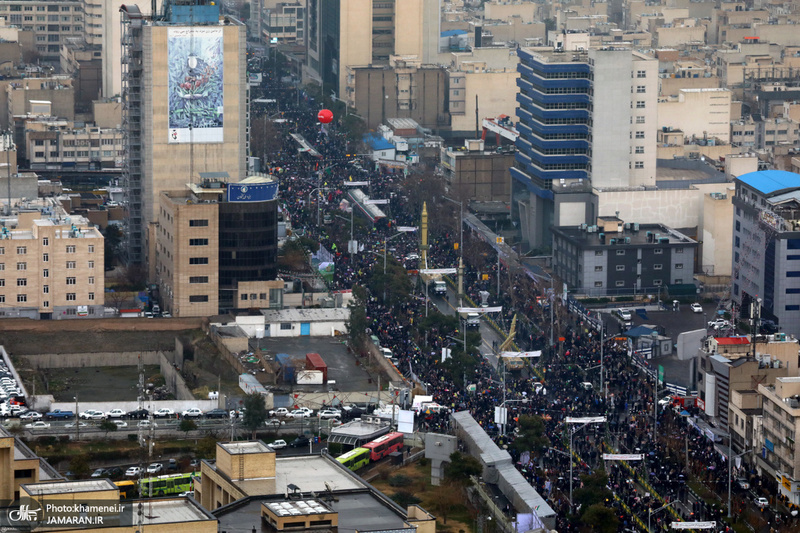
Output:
[[383, 446]]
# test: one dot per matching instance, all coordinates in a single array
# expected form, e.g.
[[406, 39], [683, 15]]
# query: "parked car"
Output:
[[696, 308], [80, 424], [624, 314], [217, 413], [299, 442], [164, 412], [92, 414], [39, 424], [155, 468], [666, 401], [172, 464], [280, 412], [743, 483], [329, 413], [274, 422], [58, 414], [303, 412], [762, 502], [100, 472], [278, 444], [133, 471], [194, 463], [719, 323], [138, 414], [120, 423], [114, 472], [31, 415], [115, 413], [145, 424], [768, 327], [192, 412]]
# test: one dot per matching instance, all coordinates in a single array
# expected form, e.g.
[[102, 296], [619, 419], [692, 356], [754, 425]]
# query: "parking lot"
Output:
[[342, 367]]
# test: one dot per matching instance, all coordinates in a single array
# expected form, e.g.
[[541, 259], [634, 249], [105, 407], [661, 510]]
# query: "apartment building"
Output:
[[586, 119], [53, 144], [51, 21], [765, 245], [170, 143], [53, 264], [19, 465], [470, 172], [614, 257], [210, 237], [283, 23], [781, 430]]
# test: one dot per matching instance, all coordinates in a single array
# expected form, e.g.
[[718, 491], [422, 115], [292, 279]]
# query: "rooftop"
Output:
[[653, 235], [768, 182], [68, 487], [298, 507], [305, 315], [177, 511], [732, 341], [238, 448]]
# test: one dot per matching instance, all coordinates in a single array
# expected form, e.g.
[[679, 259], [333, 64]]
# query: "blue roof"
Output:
[[451, 33], [376, 142], [770, 181], [639, 331]]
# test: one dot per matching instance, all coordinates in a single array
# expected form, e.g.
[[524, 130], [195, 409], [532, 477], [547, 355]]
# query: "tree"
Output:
[[594, 489], [206, 448], [448, 496], [357, 322], [265, 139], [79, 465], [532, 436], [187, 425], [600, 518], [460, 468], [107, 425], [255, 412]]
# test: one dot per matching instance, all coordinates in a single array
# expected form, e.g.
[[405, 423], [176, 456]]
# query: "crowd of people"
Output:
[[554, 389]]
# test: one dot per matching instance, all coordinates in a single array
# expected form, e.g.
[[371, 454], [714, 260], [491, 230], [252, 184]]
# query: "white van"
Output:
[[473, 320], [386, 352]]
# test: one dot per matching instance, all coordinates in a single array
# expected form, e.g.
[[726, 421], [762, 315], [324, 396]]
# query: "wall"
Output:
[[699, 113], [496, 92], [355, 38], [672, 86], [680, 35], [78, 360], [717, 235]]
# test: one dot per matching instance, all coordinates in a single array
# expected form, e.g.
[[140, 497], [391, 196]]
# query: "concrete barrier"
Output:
[[78, 360]]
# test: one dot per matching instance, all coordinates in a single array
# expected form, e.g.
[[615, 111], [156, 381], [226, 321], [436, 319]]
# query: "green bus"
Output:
[[169, 484], [355, 459]]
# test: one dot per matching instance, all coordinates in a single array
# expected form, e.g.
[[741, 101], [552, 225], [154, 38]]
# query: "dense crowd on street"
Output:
[[555, 389]]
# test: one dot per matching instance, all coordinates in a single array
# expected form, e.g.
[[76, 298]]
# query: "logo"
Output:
[[174, 135], [24, 514], [244, 189]]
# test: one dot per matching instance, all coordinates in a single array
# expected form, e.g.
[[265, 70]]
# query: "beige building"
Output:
[[52, 22], [53, 264], [699, 113], [474, 174], [163, 151], [781, 430], [21, 95], [59, 144], [717, 239], [19, 465]]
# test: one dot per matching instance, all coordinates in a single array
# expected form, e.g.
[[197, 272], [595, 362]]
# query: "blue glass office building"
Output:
[[553, 159]]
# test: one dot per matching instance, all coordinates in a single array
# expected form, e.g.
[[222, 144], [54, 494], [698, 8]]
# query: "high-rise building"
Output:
[[586, 119], [766, 246], [350, 33], [52, 23], [210, 237], [185, 110]]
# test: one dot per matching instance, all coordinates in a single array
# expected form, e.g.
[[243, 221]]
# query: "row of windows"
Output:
[[565, 121], [198, 260], [564, 136], [621, 282], [656, 251], [23, 250], [51, 8], [621, 268], [565, 151], [23, 282], [565, 105], [22, 298], [564, 75], [70, 264], [198, 242]]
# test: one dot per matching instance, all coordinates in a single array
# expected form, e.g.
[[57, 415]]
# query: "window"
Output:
[[793, 274], [91, 296], [640, 104], [46, 273], [198, 260], [620, 283], [91, 280], [2, 266], [638, 164], [198, 242], [243, 297], [620, 252], [640, 89], [45, 241], [45, 289], [22, 250], [198, 298], [199, 222], [45, 303], [91, 264], [70, 265], [45, 258], [22, 266], [677, 281], [2, 282], [598, 283], [678, 266], [657, 282], [598, 268], [198, 279], [2, 298], [658, 266], [658, 251], [22, 282], [679, 250], [640, 120], [71, 297], [792, 291], [793, 307], [598, 253], [91, 248], [286, 325], [639, 149], [620, 268], [640, 135], [641, 73], [72, 281], [22, 298]]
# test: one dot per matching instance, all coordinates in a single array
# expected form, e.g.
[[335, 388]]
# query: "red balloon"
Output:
[[325, 116]]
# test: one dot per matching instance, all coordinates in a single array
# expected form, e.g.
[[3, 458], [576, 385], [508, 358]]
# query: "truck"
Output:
[[58, 414], [473, 320], [314, 362], [440, 288]]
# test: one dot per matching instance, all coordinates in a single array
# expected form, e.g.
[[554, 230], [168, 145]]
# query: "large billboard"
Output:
[[195, 85]]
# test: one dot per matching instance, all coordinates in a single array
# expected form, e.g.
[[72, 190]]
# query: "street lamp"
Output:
[[650, 513], [585, 421], [731, 458]]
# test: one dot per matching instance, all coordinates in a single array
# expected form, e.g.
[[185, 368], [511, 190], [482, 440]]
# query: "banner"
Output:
[[479, 309], [382, 201], [195, 85], [585, 420], [623, 456], [434, 271], [522, 355], [693, 525]]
